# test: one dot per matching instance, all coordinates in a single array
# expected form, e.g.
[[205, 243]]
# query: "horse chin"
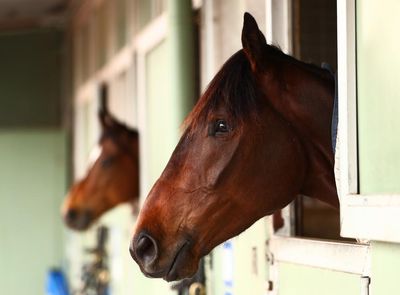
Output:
[[79, 227], [183, 265]]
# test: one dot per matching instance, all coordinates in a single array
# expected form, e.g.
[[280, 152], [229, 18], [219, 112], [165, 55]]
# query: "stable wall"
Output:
[[378, 106], [378, 97], [378, 100], [33, 161], [155, 100], [297, 279], [30, 78], [33, 182]]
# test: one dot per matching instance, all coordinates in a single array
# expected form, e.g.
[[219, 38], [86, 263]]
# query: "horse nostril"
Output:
[[146, 249], [71, 215]]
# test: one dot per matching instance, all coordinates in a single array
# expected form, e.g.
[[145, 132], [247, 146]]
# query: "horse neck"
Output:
[[305, 100], [131, 149]]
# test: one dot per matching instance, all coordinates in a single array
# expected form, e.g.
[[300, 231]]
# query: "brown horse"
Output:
[[258, 137], [112, 179]]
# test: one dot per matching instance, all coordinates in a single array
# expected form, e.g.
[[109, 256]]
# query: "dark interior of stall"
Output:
[[315, 41]]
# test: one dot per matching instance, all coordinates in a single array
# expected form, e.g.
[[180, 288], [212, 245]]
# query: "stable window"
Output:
[[369, 159], [311, 36], [300, 217]]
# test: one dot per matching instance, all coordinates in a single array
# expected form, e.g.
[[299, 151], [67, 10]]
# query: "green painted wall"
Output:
[[378, 101], [378, 64], [30, 78], [296, 279], [33, 159], [385, 270], [249, 273], [182, 53], [170, 86], [163, 118], [33, 182]]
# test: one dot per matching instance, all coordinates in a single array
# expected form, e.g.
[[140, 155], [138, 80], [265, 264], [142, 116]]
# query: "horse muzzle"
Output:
[[148, 254], [78, 219]]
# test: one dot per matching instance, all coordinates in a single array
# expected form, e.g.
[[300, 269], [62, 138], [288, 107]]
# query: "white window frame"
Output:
[[327, 254], [371, 217]]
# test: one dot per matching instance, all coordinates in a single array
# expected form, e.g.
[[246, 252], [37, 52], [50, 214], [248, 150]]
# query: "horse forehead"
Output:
[[106, 147]]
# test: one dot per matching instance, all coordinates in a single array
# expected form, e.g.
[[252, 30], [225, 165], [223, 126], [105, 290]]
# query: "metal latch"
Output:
[[365, 282]]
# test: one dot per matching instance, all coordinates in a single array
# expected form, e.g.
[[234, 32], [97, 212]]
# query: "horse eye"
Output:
[[107, 162], [221, 127], [218, 127]]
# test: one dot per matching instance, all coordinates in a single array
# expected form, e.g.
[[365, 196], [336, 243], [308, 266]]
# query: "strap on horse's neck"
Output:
[[335, 112]]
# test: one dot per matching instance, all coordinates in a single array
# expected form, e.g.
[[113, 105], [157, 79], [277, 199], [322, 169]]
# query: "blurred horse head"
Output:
[[112, 179]]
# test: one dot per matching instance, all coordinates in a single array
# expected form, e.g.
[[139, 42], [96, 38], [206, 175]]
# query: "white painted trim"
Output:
[[197, 4], [85, 92], [337, 256], [150, 37], [371, 217], [374, 217], [365, 282], [119, 63], [142, 125], [362, 217], [268, 21], [279, 24], [208, 68], [347, 129]]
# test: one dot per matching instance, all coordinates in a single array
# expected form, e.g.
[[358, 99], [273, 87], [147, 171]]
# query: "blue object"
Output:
[[335, 117], [56, 283]]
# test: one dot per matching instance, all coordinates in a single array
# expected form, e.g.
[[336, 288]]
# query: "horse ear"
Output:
[[253, 40], [106, 119]]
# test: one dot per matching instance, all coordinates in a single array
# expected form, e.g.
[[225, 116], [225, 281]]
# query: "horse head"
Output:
[[112, 179], [244, 154]]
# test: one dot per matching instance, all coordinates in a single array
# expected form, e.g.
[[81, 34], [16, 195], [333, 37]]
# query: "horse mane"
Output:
[[233, 87], [119, 133], [317, 70]]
